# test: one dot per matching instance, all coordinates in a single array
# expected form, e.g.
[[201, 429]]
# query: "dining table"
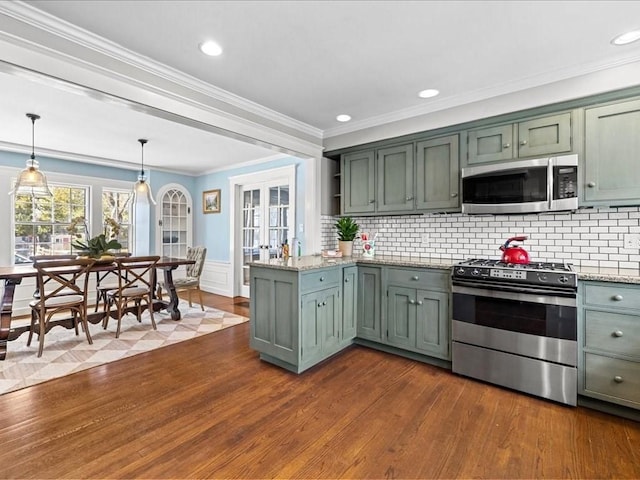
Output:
[[13, 276]]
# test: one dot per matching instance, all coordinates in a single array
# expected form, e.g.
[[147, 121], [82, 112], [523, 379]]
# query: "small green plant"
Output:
[[347, 229]]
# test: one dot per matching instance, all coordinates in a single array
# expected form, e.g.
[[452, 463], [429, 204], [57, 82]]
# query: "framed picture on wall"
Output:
[[211, 201]]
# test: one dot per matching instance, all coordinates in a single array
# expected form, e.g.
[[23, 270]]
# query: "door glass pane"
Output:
[[278, 218], [250, 230]]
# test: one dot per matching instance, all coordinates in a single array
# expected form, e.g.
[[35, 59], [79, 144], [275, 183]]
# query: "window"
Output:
[[116, 205], [41, 223]]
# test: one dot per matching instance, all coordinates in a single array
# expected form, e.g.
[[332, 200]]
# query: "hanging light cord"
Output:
[[33, 118], [142, 142]]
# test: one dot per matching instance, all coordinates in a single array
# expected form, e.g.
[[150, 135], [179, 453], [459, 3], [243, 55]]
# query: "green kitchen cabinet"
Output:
[[358, 182], [296, 316], [612, 154], [320, 321], [534, 137], [349, 302], [378, 181], [418, 311], [395, 179], [609, 342], [438, 174], [369, 304]]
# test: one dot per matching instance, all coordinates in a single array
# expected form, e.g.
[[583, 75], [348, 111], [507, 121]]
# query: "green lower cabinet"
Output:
[[369, 303], [320, 320], [417, 320]]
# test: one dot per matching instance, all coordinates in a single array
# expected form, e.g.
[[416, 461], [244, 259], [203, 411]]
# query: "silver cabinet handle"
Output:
[[346, 280], [617, 298], [415, 277], [617, 333], [618, 379], [412, 302], [419, 302], [591, 184], [371, 201], [506, 145], [454, 195], [324, 303], [322, 279], [319, 304], [523, 142], [409, 199]]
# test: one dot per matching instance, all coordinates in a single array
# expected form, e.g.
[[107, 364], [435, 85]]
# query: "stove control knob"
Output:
[[460, 271], [542, 277], [475, 271], [563, 279]]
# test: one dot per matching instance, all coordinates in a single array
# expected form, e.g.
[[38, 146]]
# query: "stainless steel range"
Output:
[[515, 325]]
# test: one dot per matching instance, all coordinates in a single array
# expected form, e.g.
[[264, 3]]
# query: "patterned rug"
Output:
[[66, 353]]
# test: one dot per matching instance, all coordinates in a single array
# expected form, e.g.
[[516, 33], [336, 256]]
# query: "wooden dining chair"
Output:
[[136, 281], [191, 281], [106, 281], [62, 287]]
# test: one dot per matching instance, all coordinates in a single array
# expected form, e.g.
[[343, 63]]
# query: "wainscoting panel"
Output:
[[216, 278]]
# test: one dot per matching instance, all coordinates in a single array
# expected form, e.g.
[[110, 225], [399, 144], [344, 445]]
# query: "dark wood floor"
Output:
[[209, 408]]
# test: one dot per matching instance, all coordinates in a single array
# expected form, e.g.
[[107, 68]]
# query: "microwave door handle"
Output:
[[550, 184]]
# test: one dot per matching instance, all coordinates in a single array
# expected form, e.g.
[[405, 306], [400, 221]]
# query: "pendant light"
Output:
[[142, 189], [31, 180]]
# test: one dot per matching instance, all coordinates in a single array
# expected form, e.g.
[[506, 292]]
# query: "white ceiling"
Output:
[[313, 60]]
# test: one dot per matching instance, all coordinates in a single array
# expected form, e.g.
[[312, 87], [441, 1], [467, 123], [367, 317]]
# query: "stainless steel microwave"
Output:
[[525, 186]]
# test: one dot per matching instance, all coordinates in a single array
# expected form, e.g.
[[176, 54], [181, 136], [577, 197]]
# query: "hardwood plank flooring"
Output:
[[209, 408]]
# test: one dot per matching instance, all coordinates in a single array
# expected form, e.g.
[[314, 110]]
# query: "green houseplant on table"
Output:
[[100, 246], [347, 231]]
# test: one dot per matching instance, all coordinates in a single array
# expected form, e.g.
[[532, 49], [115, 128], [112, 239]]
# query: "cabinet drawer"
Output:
[[612, 332], [612, 377], [612, 296], [320, 279], [418, 278]]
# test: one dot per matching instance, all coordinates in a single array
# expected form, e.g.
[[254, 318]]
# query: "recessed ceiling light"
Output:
[[343, 118], [626, 38], [430, 92], [210, 48]]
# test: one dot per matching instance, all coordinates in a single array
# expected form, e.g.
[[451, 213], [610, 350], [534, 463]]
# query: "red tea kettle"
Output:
[[514, 254]]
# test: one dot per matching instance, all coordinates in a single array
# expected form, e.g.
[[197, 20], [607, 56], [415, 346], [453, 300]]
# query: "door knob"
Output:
[[617, 333], [617, 298], [618, 379], [591, 184]]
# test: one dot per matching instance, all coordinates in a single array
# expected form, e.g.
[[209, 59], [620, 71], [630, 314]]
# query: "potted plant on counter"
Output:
[[347, 230]]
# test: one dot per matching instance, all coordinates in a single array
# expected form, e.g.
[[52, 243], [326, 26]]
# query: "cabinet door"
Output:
[[175, 221], [369, 303], [612, 153], [401, 317], [544, 136], [395, 172], [358, 182], [349, 302], [331, 319], [490, 144], [432, 323], [437, 174], [311, 326]]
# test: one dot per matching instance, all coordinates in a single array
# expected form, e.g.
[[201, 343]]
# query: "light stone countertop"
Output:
[[312, 262]]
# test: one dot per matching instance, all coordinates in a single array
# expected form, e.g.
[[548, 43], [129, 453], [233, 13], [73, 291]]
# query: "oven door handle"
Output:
[[531, 297]]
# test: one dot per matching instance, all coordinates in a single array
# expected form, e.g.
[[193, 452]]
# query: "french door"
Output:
[[266, 224]]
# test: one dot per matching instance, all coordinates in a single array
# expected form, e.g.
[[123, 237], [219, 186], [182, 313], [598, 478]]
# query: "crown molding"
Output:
[[436, 105], [38, 19]]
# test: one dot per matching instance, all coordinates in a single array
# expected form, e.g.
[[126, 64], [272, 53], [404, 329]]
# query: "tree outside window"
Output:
[[41, 224], [116, 206]]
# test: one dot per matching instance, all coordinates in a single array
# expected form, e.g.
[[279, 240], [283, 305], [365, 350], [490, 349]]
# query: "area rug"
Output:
[[66, 353]]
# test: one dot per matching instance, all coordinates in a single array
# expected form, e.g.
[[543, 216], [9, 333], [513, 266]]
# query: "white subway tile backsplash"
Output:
[[588, 237]]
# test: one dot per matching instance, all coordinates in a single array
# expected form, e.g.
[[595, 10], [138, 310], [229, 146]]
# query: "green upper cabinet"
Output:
[[437, 173], [395, 179], [612, 154], [529, 138], [358, 177]]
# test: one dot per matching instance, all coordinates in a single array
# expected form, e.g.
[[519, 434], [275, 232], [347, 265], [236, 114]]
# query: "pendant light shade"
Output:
[[31, 180], [142, 189]]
